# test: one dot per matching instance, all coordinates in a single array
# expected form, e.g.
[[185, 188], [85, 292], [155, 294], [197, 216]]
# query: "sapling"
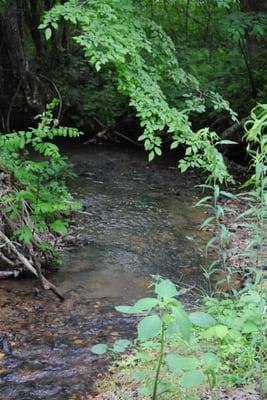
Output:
[[164, 318], [211, 160]]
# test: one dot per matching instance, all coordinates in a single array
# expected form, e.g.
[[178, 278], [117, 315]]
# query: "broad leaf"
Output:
[[177, 364], [48, 33], [149, 327], [192, 378], [166, 289], [202, 319], [99, 349], [126, 309], [219, 331], [210, 360], [184, 323], [145, 304]]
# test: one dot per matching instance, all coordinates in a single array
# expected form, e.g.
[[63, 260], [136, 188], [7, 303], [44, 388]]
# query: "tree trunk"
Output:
[[22, 89], [251, 46]]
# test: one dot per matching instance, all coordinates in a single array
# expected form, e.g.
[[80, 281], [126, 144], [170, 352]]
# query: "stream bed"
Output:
[[138, 221]]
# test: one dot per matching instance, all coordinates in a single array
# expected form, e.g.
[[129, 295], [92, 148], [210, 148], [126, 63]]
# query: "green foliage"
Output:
[[242, 345], [164, 317], [47, 129], [256, 213], [41, 185], [226, 345], [144, 60]]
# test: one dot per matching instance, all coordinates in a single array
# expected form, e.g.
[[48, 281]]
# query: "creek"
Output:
[[138, 221]]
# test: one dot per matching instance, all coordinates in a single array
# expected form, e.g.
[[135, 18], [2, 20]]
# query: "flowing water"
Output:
[[138, 221]]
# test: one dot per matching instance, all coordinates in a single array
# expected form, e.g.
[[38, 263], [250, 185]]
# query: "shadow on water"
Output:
[[139, 222]]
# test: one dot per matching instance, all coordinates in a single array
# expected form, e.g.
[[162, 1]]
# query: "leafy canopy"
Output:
[[116, 35]]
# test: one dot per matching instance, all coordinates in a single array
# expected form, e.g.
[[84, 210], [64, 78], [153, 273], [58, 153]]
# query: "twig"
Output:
[[128, 139], [7, 260]]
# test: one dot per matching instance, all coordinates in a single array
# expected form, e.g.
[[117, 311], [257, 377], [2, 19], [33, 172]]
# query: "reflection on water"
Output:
[[138, 221]]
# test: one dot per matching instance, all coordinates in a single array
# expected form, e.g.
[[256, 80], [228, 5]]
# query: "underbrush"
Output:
[[35, 204], [202, 354]]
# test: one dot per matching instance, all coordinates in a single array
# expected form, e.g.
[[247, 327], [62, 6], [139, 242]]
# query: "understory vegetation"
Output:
[[35, 202]]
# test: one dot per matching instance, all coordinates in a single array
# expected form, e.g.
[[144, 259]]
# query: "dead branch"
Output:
[[44, 282], [9, 274]]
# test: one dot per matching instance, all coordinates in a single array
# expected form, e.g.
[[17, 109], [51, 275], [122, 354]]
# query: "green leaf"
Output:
[[121, 345], [192, 378], [249, 327], [59, 226], [25, 234], [210, 360], [165, 387], [177, 364], [166, 289], [173, 363], [158, 151], [125, 309], [174, 145], [184, 324], [142, 137], [173, 329], [219, 331], [203, 201], [48, 33], [145, 304], [228, 195], [149, 327], [207, 222], [98, 66], [151, 155], [202, 319], [226, 142], [99, 349]]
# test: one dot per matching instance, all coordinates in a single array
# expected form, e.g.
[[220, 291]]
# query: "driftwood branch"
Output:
[[115, 132], [9, 274], [44, 282]]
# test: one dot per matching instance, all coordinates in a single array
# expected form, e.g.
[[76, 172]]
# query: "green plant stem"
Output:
[[162, 343]]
